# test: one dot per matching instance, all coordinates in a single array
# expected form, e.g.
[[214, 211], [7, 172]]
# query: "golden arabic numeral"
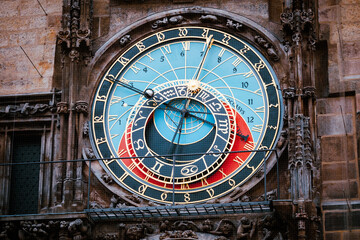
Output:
[[211, 192], [205, 33], [187, 197], [142, 189], [232, 182], [252, 168], [123, 60], [140, 46], [183, 32], [101, 98], [259, 66], [160, 36], [244, 49], [99, 119], [226, 39], [163, 196]]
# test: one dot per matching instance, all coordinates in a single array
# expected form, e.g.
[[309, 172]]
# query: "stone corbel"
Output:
[[62, 108]]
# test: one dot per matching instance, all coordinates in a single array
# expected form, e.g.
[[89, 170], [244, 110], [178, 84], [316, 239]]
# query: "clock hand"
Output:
[[148, 93], [179, 127], [209, 42], [189, 114], [245, 137]]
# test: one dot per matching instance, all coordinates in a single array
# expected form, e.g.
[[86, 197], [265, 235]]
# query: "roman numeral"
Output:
[[256, 128], [237, 62], [186, 46], [157, 167]]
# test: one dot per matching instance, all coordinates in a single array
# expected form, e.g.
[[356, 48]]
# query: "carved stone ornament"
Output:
[[234, 25], [289, 93], [268, 47], [64, 230], [297, 24], [125, 40], [86, 129], [24, 109], [209, 19], [160, 23], [309, 92], [81, 107], [107, 178], [62, 107], [176, 19]]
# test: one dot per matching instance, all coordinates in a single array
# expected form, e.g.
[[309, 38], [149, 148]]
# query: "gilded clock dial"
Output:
[[183, 109]]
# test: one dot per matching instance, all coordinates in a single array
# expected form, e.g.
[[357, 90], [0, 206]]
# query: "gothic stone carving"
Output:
[[234, 25], [163, 22], [24, 110], [268, 47]]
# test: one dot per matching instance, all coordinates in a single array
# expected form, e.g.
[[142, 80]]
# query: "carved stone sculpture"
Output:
[[246, 229]]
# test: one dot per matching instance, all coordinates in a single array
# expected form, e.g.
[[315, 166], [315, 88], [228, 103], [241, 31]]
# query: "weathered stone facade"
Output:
[[53, 52]]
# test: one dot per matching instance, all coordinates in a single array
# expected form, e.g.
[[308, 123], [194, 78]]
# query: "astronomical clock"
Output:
[[185, 114]]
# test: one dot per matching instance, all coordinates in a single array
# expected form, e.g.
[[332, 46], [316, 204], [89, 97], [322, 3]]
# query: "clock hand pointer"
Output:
[[245, 137], [179, 127], [148, 93], [209, 42], [188, 113]]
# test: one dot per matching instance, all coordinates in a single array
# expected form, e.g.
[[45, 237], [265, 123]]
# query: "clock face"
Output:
[[179, 114]]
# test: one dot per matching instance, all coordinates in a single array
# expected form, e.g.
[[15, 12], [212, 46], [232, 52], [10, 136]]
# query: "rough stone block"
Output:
[[337, 148], [351, 50], [332, 105], [351, 67], [327, 3], [340, 190], [333, 236], [338, 171], [328, 14], [4, 39], [54, 21], [331, 124], [354, 234], [350, 13], [29, 8], [104, 25], [350, 31], [335, 221], [101, 7], [9, 8]]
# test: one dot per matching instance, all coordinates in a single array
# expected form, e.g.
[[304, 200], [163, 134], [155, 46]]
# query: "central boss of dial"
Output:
[[180, 134]]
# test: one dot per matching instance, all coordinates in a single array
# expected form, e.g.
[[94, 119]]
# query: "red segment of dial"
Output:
[[231, 164]]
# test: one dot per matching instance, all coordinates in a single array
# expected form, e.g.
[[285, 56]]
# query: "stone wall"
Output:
[[339, 25], [31, 28], [112, 16], [337, 119]]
